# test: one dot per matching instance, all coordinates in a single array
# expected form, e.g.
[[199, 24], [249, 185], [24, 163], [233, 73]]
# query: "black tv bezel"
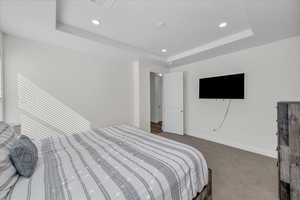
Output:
[[243, 97]]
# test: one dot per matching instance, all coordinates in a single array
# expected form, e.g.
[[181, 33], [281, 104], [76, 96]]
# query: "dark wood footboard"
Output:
[[206, 193]]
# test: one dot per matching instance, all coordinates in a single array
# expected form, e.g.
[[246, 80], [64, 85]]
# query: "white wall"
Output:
[[156, 97], [136, 93], [272, 75], [1, 62], [97, 87], [1, 78]]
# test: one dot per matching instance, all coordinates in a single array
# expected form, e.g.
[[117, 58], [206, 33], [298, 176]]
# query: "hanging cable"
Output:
[[224, 118]]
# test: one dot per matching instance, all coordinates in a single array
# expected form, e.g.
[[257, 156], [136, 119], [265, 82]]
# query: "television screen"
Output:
[[222, 87]]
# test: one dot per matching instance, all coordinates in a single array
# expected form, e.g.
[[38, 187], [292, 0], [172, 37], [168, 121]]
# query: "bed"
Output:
[[115, 163]]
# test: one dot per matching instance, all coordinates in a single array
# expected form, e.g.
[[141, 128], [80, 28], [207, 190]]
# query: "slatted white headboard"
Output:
[[43, 115]]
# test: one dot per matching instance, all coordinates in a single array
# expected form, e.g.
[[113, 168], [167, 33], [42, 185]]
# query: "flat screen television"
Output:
[[222, 87]]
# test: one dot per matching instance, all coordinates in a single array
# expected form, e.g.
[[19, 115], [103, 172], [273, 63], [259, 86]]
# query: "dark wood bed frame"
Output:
[[206, 193]]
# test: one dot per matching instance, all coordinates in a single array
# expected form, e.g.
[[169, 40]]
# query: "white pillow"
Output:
[[8, 175]]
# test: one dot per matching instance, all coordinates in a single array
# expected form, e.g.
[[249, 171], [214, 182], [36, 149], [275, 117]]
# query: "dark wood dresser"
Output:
[[288, 120]]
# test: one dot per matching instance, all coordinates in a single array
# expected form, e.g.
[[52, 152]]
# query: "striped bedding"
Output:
[[115, 163]]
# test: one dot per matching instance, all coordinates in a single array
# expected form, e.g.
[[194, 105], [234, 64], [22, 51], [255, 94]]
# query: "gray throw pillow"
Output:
[[24, 156]]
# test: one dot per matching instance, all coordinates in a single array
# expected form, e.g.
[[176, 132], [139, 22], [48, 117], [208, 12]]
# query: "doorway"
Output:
[[156, 102]]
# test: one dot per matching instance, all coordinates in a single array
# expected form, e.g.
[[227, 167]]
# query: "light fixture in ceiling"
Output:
[[164, 50], [160, 74], [105, 3], [161, 25], [223, 25], [96, 22]]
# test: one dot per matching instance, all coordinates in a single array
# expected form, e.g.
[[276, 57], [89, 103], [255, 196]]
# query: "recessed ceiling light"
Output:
[[96, 22], [160, 74], [164, 50], [223, 25], [161, 25]]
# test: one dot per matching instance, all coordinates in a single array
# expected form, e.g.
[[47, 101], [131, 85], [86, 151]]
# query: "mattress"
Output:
[[114, 163]]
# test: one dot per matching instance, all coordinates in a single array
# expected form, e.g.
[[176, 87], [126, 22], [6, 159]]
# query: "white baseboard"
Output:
[[272, 154]]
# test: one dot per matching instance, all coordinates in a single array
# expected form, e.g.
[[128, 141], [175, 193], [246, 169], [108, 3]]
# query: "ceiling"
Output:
[[175, 25], [188, 29]]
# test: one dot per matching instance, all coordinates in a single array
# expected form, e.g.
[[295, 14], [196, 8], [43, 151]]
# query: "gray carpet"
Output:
[[237, 174]]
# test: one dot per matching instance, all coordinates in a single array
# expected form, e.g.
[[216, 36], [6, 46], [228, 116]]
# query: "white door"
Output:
[[173, 102]]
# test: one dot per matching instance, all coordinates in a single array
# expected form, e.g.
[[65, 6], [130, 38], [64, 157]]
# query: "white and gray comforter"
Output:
[[115, 163]]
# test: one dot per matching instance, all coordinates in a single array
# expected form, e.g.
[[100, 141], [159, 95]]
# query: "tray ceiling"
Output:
[[188, 29]]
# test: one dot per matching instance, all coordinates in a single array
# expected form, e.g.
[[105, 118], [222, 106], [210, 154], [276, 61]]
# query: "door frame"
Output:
[[141, 91], [156, 97], [148, 108]]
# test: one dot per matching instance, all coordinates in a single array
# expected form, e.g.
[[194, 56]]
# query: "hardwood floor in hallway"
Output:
[[156, 127]]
